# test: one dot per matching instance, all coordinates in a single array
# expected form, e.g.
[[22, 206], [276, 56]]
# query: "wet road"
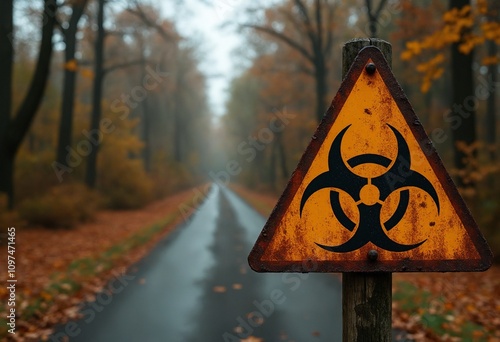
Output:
[[196, 285]]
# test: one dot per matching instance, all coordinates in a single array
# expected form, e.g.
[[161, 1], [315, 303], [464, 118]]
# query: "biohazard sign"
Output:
[[370, 193]]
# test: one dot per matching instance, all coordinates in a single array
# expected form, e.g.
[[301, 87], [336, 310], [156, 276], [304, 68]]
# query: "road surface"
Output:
[[196, 285]]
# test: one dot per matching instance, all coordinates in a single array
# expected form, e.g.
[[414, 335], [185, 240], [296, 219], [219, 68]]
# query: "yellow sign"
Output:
[[370, 193]]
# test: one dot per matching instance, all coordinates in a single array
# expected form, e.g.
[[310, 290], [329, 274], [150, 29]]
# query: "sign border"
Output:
[[404, 265]]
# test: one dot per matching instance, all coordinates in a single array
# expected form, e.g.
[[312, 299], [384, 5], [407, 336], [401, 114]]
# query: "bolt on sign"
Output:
[[370, 193]]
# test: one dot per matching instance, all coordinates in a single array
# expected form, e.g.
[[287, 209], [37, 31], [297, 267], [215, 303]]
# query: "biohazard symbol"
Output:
[[369, 194]]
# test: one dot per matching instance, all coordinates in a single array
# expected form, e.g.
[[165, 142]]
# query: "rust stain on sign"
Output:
[[370, 193]]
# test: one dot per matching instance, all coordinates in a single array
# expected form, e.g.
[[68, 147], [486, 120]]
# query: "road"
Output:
[[196, 285]]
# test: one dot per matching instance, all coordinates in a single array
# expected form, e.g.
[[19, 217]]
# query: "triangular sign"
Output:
[[370, 193]]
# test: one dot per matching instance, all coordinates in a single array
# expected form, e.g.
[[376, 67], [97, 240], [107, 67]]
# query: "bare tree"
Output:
[[316, 26], [374, 15]]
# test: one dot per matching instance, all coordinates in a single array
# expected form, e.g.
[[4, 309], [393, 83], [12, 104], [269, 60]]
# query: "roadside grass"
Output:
[[69, 281], [434, 314]]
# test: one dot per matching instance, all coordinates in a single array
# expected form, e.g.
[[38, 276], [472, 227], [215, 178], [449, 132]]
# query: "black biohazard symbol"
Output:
[[369, 194]]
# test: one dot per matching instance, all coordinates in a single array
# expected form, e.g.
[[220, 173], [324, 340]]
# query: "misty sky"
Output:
[[202, 22]]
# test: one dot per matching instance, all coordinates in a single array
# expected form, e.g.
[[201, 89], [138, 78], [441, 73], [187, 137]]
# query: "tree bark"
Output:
[[91, 174], [463, 111], [69, 83], [491, 124], [146, 132], [282, 154], [14, 130], [7, 57], [321, 73]]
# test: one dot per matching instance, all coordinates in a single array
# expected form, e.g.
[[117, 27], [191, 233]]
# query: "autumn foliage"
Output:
[[480, 26]]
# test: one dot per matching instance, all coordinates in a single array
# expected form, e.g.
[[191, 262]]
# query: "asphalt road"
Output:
[[196, 285]]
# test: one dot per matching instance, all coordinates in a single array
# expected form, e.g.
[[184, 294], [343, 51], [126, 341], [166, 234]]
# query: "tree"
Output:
[[69, 80], [91, 174], [493, 14], [374, 15], [14, 129], [149, 20], [313, 41], [458, 34], [463, 86]]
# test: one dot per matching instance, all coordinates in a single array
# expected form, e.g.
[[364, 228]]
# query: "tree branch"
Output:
[[307, 21], [319, 26], [379, 8], [329, 32], [26, 112], [138, 12], [124, 65], [289, 41]]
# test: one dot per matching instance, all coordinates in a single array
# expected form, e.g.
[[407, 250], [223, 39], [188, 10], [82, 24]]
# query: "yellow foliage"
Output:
[[432, 70], [71, 65], [122, 178], [482, 7], [87, 73], [62, 206], [490, 60], [491, 31], [458, 25]]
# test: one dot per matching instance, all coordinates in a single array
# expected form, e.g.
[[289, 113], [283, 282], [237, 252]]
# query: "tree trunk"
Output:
[[69, 83], [463, 110], [146, 119], [178, 105], [7, 57], [491, 123], [146, 132], [282, 154], [91, 174], [321, 88], [272, 166], [13, 131]]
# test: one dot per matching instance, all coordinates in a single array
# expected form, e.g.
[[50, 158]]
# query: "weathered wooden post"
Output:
[[366, 297]]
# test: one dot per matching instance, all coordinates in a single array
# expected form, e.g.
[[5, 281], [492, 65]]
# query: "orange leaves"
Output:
[[458, 27], [491, 31], [432, 70], [482, 6], [71, 65], [448, 307], [87, 73]]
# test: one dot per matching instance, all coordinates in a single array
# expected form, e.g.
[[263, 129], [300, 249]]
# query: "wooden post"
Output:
[[366, 297]]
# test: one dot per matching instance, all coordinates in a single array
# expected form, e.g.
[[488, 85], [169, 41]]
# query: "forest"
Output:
[[106, 105]]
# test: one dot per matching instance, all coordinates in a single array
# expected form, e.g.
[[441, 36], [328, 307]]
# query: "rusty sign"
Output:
[[370, 193]]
